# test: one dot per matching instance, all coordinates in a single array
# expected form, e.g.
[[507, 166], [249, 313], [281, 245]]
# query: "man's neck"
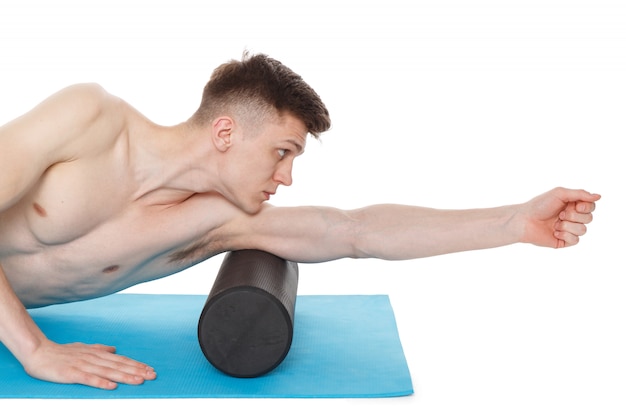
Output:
[[172, 163]]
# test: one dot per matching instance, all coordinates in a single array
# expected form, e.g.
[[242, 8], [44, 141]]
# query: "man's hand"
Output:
[[558, 218], [93, 365]]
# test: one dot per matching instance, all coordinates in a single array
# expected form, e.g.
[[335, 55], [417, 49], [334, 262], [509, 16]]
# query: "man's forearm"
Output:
[[407, 232], [18, 332]]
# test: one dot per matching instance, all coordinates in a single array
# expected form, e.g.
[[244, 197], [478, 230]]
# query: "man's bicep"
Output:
[[301, 234]]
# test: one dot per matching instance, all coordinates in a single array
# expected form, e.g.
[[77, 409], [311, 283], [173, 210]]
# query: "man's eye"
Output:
[[282, 152]]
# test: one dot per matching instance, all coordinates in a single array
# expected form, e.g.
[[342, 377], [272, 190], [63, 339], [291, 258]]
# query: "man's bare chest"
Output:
[[75, 232], [135, 246], [73, 199]]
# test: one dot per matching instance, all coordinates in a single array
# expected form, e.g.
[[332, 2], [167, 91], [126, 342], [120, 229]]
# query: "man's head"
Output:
[[257, 87], [258, 114]]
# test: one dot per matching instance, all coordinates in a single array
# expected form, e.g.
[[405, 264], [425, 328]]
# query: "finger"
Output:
[[565, 239], [568, 233], [585, 207], [576, 195], [78, 376], [575, 228], [575, 216], [113, 374], [108, 353], [102, 347], [121, 365], [97, 346], [103, 376], [100, 377]]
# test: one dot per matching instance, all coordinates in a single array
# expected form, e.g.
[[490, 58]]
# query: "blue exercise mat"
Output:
[[343, 346]]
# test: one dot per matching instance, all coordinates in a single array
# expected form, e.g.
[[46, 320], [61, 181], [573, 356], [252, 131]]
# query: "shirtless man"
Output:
[[95, 198]]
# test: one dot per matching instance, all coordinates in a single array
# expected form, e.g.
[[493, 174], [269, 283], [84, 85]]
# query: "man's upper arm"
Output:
[[50, 133], [302, 234]]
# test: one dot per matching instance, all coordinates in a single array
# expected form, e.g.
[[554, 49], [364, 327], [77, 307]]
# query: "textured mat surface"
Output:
[[343, 346]]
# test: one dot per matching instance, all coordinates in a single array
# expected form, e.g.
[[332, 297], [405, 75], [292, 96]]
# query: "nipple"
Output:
[[40, 210], [110, 269]]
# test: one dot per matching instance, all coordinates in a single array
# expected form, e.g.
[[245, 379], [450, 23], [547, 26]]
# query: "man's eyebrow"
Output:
[[299, 147]]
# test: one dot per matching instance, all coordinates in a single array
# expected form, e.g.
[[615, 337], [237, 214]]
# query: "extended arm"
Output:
[[315, 234]]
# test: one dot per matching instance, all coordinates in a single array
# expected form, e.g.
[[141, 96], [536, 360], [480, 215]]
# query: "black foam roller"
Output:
[[246, 326]]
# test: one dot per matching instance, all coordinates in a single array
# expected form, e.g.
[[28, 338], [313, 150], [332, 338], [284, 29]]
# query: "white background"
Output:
[[451, 104]]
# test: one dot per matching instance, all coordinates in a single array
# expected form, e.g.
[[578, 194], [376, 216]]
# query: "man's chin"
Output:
[[253, 209]]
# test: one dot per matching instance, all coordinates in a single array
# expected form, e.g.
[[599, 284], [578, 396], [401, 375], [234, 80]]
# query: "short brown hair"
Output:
[[262, 82]]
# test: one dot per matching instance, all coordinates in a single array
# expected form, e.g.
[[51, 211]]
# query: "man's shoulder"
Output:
[[66, 114], [83, 98], [86, 89], [90, 101]]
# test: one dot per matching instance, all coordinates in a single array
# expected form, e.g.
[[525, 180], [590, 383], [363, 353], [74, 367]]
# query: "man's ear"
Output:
[[222, 133]]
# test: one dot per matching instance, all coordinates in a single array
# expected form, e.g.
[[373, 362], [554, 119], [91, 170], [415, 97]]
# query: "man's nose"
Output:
[[283, 174]]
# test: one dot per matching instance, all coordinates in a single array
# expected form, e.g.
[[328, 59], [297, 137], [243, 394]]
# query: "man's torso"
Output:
[[84, 231]]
